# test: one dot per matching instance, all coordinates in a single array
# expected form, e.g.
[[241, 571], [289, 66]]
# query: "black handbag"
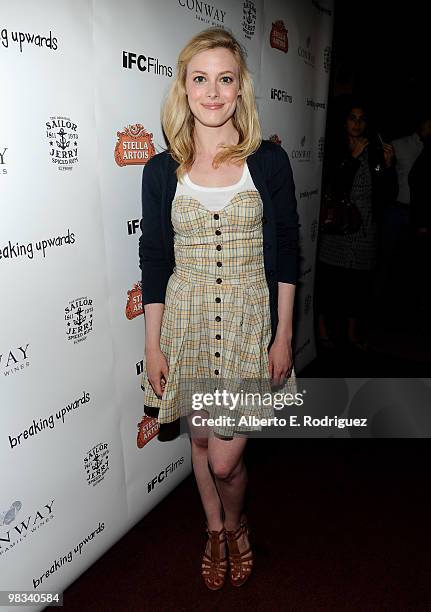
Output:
[[339, 216]]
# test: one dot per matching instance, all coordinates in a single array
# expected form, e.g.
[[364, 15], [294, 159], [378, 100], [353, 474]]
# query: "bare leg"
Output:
[[204, 479], [226, 460], [211, 502]]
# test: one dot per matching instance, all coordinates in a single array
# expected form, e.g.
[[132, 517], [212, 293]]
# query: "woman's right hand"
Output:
[[357, 146], [157, 370]]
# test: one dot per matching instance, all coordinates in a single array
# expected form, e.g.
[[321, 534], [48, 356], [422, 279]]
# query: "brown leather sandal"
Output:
[[214, 567], [241, 563]]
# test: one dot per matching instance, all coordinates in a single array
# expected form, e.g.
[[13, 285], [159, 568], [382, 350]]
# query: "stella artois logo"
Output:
[[278, 38], [134, 146], [275, 138], [148, 428], [134, 302]]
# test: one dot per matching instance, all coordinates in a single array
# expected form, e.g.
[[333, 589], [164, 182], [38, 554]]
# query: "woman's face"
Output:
[[212, 86], [356, 123]]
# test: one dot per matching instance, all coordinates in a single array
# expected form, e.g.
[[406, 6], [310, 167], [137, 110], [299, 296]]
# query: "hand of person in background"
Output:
[[388, 154], [358, 145]]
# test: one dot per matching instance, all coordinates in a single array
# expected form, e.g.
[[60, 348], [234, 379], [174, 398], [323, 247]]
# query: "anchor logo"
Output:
[[79, 320], [62, 144]]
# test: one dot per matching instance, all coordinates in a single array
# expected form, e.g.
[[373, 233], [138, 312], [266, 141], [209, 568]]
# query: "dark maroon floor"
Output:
[[339, 525]]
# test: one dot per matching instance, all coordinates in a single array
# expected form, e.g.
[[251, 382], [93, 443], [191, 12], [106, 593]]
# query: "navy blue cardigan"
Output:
[[272, 175]]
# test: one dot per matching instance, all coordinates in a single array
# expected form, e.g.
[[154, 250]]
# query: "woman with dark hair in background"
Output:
[[359, 167]]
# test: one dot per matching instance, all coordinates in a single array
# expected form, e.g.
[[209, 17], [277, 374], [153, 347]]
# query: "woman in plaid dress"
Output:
[[209, 307]]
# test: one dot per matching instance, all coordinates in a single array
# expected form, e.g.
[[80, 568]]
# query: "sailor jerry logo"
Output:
[[62, 135], [134, 302], [96, 463], [249, 18], [148, 428], [78, 316], [134, 146], [278, 38]]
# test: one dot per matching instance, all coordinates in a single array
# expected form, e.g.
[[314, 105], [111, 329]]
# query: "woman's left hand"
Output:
[[389, 154], [280, 361]]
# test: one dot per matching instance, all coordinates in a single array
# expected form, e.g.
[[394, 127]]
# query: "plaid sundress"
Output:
[[216, 323]]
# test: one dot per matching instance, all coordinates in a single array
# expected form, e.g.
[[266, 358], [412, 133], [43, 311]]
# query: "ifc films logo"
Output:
[[62, 136], [78, 315]]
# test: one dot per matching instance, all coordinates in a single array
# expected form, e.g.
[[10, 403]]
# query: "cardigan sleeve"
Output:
[[282, 191], [155, 259]]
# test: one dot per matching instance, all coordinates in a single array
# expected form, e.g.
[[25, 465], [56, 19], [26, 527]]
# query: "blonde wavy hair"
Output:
[[178, 121]]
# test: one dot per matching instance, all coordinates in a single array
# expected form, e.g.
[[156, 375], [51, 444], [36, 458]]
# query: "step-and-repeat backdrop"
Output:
[[82, 84]]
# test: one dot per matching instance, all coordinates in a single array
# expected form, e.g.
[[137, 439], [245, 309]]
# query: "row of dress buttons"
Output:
[[218, 281]]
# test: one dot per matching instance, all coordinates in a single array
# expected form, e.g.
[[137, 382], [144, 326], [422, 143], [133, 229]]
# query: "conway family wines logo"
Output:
[[148, 428], [3, 166], [96, 463], [62, 135], [8, 516], [204, 12], [249, 18], [134, 146], [278, 38], [302, 154], [78, 315], [134, 302], [13, 534], [306, 53], [14, 360]]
